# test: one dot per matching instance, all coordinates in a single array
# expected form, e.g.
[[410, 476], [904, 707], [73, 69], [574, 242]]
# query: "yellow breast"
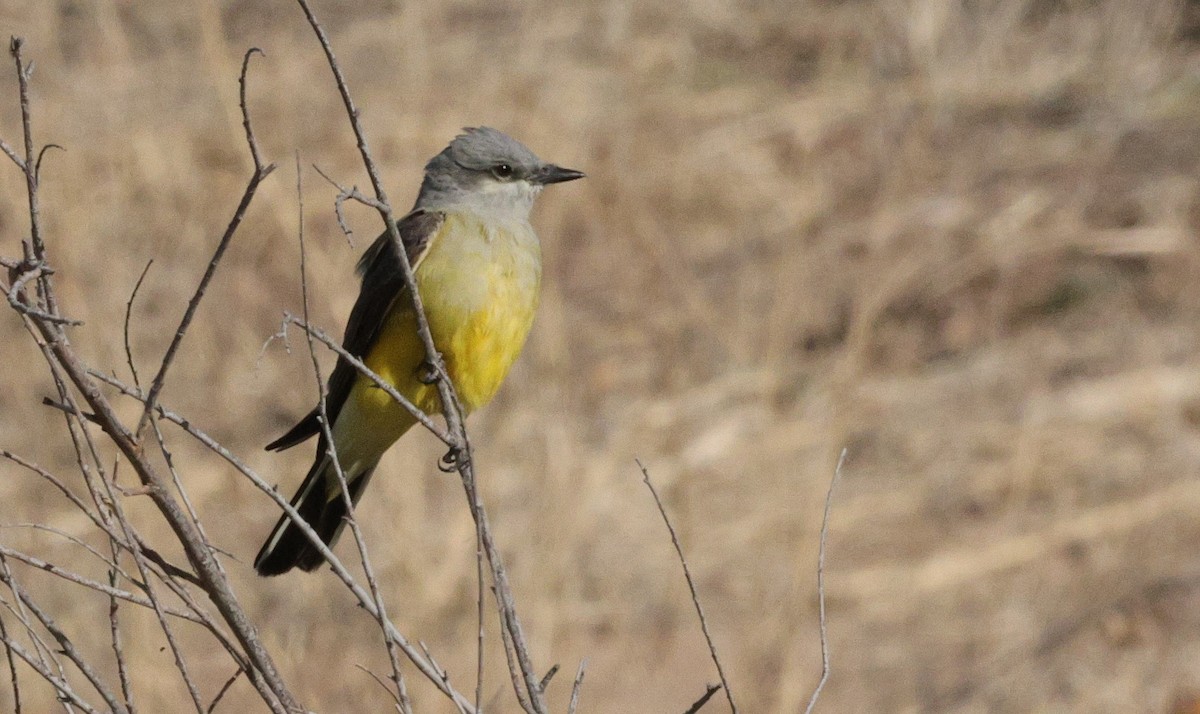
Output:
[[479, 285]]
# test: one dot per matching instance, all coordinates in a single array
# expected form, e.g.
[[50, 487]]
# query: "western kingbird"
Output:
[[478, 266]]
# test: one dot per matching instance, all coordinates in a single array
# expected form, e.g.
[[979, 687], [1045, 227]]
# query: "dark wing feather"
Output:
[[382, 282]]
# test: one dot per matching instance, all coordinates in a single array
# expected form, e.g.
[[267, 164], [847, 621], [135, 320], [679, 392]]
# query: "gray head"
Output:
[[488, 172]]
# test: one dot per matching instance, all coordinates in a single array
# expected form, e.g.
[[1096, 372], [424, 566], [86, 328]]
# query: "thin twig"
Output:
[[479, 598], [514, 670], [129, 311], [340, 201], [575, 687], [114, 629], [224, 688], [442, 674], [709, 691], [712, 649], [12, 669], [837, 473], [260, 173], [62, 488], [384, 685], [42, 649], [65, 645], [370, 374], [12, 154], [24, 71], [59, 682]]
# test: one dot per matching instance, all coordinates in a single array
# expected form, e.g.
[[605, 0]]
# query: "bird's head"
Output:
[[489, 172]]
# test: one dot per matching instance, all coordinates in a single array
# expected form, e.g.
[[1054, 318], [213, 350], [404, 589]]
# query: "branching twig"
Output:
[[67, 366], [712, 649], [66, 646], [424, 663], [28, 165], [260, 172], [59, 682]]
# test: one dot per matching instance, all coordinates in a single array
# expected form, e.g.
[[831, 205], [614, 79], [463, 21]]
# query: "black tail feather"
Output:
[[288, 547]]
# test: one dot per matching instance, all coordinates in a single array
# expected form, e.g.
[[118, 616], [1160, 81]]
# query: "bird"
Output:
[[477, 263]]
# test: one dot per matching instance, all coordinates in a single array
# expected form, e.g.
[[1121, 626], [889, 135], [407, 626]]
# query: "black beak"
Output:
[[549, 173]]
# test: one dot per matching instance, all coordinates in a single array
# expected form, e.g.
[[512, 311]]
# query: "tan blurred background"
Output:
[[957, 238]]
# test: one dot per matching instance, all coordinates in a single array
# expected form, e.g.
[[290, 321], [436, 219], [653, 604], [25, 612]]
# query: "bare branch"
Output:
[[61, 355], [12, 154], [709, 691], [37, 168], [23, 273], [58, 484], [575, 687], [114, 631], [59, 683], [250, 140], [128, 312], [224, 688], [15, 47], [400, 705], [424, 663], [837, 473], [66, 646], [712, 649], [260, 173], [340, 201], [12, 668], [514, 670]]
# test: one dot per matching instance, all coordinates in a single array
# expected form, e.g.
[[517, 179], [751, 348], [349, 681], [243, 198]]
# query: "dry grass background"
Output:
[[957, 237]]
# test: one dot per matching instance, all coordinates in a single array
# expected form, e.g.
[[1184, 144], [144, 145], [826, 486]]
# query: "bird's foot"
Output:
[[454, 459], [428, 372]]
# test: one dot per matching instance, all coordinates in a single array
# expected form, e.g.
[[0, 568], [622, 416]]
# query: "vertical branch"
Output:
[[575, 687], [12, 668], [114, 629], [24, 71], [712, 649], [331, 449], [837, 473]]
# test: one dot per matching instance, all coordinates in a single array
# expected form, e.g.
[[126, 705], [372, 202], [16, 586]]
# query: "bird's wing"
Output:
[[382, 282]]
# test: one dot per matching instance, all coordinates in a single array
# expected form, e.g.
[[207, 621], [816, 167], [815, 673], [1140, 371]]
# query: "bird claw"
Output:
[[428, 372], [452, 460]]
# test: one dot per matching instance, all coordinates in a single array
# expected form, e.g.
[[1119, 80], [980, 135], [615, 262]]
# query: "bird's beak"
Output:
[[549, 173]]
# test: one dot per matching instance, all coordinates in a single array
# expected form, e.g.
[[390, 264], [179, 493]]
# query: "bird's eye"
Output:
[[502, 171]]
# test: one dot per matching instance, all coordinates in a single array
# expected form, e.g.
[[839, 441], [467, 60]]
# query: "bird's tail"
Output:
[[288, 547]]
